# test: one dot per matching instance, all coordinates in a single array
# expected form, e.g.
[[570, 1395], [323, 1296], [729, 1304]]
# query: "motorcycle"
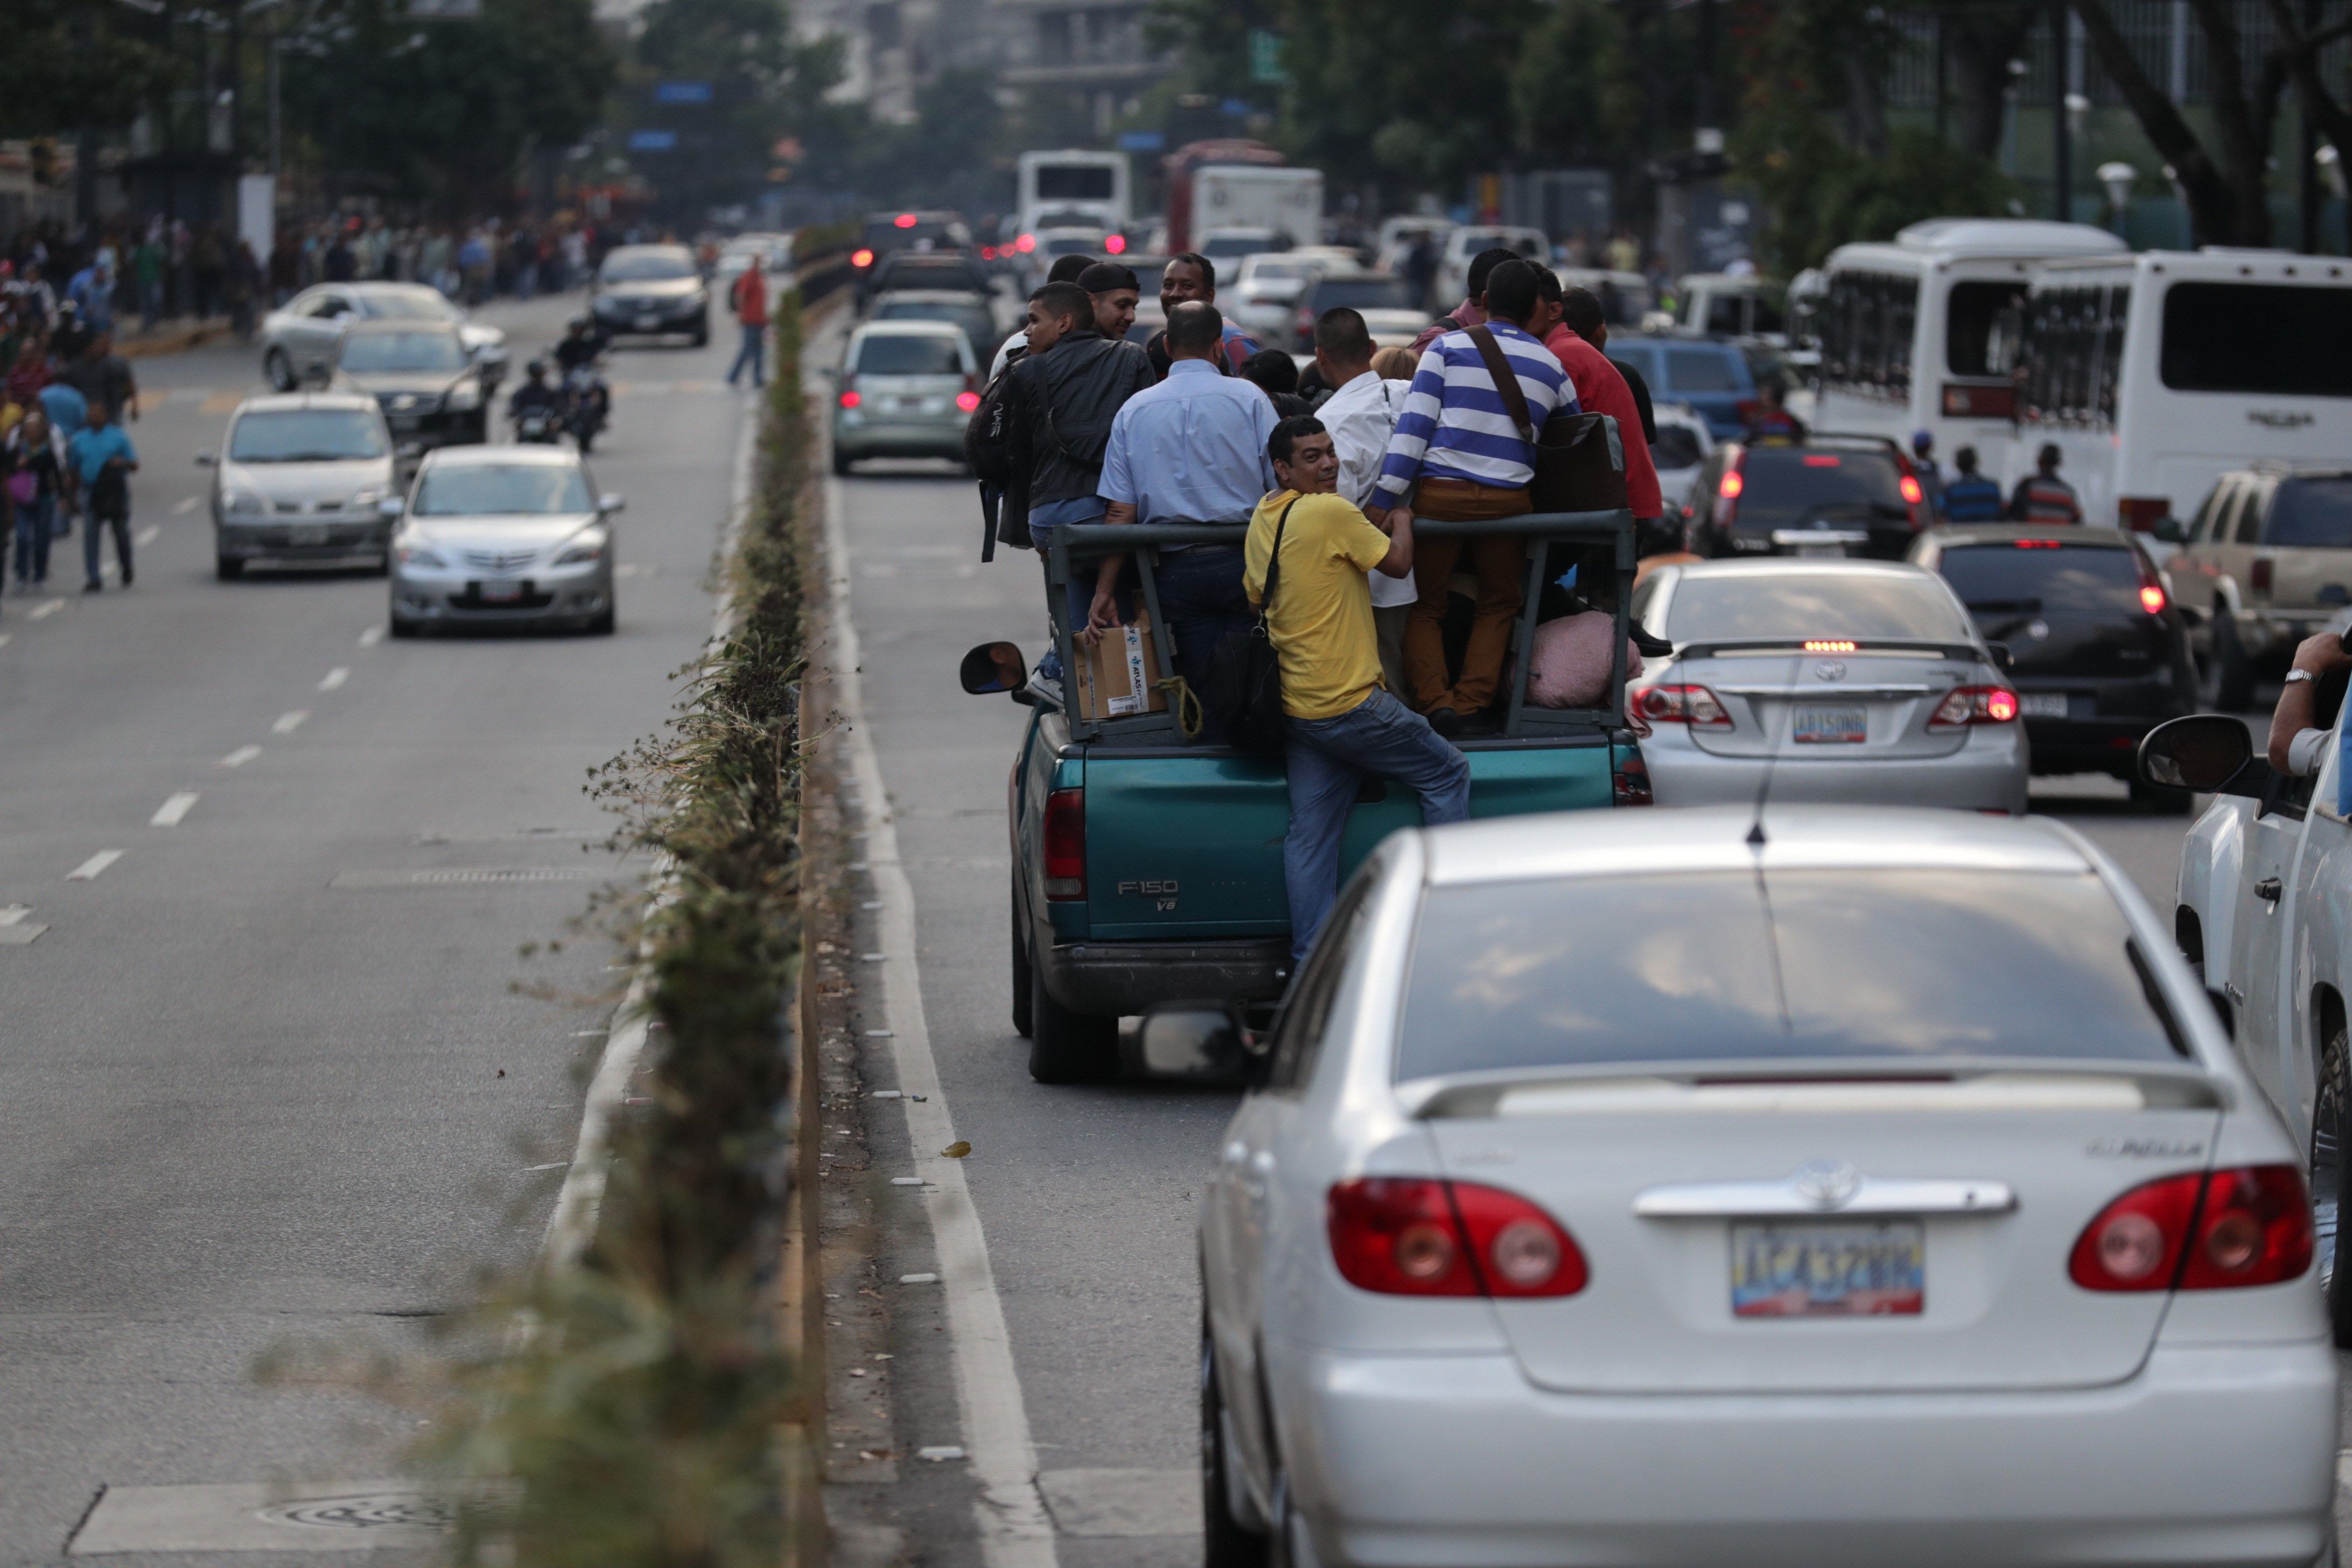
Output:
[[588, 404], [541, 424]]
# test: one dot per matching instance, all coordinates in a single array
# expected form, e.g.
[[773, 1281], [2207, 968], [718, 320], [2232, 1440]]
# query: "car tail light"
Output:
[[1692, 705], [1025, 244], [1966, 705], [2261, 575], [1727, 491], [1402, 1236], [2151, 598], [851, 397], [1114, 244], [1731, 486], [1979, 401], [904, 220], [2141, 513], [2200, 1231], [967, 400], [2035, 543], [861, 258], [1911, 490], [1629, 784], [1066, 843]]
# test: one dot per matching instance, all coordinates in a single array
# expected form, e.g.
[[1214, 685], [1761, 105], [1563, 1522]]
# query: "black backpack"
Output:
[[1244, 696], [987, 450]]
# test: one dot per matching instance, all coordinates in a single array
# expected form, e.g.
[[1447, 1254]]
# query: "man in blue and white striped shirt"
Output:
[[1458, 457]]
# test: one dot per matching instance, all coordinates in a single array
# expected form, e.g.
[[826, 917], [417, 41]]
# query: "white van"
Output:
[[1918, 334], [2155, 374]]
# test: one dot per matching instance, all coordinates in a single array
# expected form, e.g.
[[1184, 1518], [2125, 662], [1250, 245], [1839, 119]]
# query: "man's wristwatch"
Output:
[[2294, 675]]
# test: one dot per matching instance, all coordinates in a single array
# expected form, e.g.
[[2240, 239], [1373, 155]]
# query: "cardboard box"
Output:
[[1118, 676]]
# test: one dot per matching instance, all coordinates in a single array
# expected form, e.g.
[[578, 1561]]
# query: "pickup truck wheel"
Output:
[[2328, 1172], [1229, 1543], [1024, 1003], [2228, 675], [1067, 1046]]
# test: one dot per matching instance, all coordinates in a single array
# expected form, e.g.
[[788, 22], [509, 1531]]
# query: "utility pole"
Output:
[[2308, 139], [2062, 138], [85, 38], [1703, 100]]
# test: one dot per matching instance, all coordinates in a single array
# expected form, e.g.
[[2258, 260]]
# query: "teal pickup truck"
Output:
[[1146, 866]]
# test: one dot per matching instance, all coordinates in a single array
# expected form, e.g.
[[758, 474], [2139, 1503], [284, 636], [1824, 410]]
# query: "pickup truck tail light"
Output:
[[1408, 1236], [1966, 705], [2200, 1231], [2260, 579], [850, 397], [1066, 843], [1629, 782]]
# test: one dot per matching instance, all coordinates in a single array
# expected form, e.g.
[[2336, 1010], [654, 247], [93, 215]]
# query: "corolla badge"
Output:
[[1826, 1183], [1829, 670]]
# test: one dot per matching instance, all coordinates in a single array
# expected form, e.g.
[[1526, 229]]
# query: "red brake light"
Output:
[[861, 258], [967, 401], [1402, 1236], [2035, 543], [1966, 705], [1692, 705], [904, 220], [1821, 460], [1114, 244], [2261, 575], [2151, 598], [1911, 490], [851, 397], [1066, 843], [988, 253], [2249, 1226], [1731, 486], [1025, 244]]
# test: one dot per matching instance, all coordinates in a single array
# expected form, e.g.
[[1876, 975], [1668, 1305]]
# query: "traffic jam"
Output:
[[1571, 747]]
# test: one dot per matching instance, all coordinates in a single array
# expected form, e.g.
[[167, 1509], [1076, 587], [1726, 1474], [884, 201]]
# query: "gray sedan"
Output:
[[503, 536], [303, 476], [1851, 682], [300, 338]]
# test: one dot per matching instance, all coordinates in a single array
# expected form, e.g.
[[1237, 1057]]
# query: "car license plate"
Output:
[[2041, 704], [307, 533], [648, 323], [1806, 1270], [1838, 550], [1831, 726], [404, 422], [501, 593]]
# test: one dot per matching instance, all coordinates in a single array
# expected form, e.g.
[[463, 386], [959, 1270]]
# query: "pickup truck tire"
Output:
[[2329, 1169], [1067, 1046], [1024, 1003], [2228, 674]]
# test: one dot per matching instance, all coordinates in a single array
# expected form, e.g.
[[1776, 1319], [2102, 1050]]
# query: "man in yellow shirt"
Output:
[[1343, 722]]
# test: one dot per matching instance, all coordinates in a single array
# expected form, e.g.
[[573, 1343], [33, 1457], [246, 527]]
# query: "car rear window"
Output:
[[2311, 512], [1715, 966], [894, 355], [1772, 605], [1677, 447], [2039, 574], [913, 274], [884, 234], [1701, 369], [1784, 485], [1361, 294]]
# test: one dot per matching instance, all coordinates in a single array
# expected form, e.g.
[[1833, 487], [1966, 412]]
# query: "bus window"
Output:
[[1972, 319], [2111, 348], [2256, 337], [1866, 322]]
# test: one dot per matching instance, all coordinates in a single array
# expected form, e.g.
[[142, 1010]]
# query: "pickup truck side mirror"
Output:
[[2002, 659], [2210, 752], [207, 459], [2168, 530], [994, 666], [1201, 1041]]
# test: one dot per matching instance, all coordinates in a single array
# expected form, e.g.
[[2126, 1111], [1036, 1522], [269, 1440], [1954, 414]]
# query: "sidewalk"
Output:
[[172, 337]]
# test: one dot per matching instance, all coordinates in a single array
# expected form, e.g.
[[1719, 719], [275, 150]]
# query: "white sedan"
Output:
[[1833, 1187]]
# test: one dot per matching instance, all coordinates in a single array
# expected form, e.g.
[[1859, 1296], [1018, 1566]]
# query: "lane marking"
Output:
[[289, 722], [147, 535], [174, 810], [1014, 1529], [16, 931], [45, 609], [241, 756], [335, 677], [370, 637], [89, 870], [182, 509], [7, 637]]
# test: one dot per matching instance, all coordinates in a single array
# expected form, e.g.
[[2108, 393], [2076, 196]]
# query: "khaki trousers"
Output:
[[1499, 562]]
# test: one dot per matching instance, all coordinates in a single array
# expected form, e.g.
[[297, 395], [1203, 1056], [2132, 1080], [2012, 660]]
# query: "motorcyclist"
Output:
[[582, 345], [535, 395]]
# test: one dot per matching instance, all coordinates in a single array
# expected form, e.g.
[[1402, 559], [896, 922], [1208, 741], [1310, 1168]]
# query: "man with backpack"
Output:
[[1970, 496], [2042, 496]]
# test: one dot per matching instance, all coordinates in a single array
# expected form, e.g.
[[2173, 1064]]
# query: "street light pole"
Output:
[[2063, 145]]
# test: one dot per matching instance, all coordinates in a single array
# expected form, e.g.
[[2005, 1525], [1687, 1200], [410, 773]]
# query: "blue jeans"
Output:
[[114, 512], [1200, 594], [1328, 759], [753, 353], [34, 519]]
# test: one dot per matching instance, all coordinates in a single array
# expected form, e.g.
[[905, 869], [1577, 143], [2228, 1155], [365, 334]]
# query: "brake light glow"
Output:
[[2035, 543], [1731, 486], [1114, 244], [1025, 244], [2200, 1231], [861, 258], [1910, 489], [851, 397], [1966, 705], [1821, 460], [1066, 843], [1406, 1235], [988, 253], [2151, 598], [1831, 644], [967, 401], [1692, 705], [904, 220]]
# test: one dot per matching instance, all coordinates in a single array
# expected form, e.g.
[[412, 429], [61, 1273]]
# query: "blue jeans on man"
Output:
[[1200, 595], [34, 520], [754, 352], [1328, 759]]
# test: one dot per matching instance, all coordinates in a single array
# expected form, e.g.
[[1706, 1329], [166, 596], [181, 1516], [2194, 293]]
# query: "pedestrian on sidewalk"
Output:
[[103, 461], [244, 286], [1309, 556], [147, 272], [34, 463], [1066, 269], [101, 376], [749, 299], [1115, 290]]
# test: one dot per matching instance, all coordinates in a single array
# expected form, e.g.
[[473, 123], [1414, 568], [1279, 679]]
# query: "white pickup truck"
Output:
[[2263, 908]]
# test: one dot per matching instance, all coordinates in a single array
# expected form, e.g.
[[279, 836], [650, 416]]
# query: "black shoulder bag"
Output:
[[1244, 696]]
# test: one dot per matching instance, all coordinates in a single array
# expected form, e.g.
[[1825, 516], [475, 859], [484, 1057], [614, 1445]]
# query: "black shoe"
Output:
[[126, 577], [93, 587], [1446, 721]]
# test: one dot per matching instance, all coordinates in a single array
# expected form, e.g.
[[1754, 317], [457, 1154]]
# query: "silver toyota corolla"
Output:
[[298, 339], [503, 535], [304, 477], [1847, 681]]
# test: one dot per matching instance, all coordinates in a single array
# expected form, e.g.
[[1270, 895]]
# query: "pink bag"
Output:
[[1570, 668], [24, 484]]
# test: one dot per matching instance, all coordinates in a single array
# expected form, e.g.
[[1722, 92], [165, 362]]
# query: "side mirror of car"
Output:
[[208, 459], [2168, 530], [994, 666], [2002, 659], [1197, 1040], [392, 507], [2209, 753], [606, 505]]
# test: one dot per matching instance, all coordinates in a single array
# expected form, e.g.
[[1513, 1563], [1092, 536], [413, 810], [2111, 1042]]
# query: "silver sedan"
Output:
[[300, 338], [1839, 1187], [1846, 681], [503, 536], [303, 476]]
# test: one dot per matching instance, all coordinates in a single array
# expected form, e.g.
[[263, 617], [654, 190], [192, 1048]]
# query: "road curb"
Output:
[[172, 342]]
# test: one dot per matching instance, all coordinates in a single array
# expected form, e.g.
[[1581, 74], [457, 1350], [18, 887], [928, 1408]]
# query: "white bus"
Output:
[[2153, 375], [1073, 189], [1917, 333]]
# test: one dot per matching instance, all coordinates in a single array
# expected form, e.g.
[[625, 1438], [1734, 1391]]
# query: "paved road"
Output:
[[245, 1104]]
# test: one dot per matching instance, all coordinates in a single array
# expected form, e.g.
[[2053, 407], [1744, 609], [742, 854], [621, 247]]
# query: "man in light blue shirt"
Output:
[[1191, 449], [103, 460]]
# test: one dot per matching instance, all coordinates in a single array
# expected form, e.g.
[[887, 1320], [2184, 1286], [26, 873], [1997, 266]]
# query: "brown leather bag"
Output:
[[1580, 458]]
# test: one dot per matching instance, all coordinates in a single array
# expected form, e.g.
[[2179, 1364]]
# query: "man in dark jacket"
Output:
[[1060, 399]]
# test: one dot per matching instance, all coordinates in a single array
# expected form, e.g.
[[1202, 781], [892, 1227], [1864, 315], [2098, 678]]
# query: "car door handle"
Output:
[[2268, 890]]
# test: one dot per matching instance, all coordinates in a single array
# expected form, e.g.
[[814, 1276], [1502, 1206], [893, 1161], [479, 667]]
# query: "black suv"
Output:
[[1828, 495]]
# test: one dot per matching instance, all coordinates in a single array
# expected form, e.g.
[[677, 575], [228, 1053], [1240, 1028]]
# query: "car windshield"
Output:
[[647, 266], [1785, 485], [1773, 606], [477, 489], [402, 351], [1702, 370], [907, 354], [1727, 965], [1361, 294], [2032, 575], [424, 306], [1072, 244], [2311, 512], [307, 435]]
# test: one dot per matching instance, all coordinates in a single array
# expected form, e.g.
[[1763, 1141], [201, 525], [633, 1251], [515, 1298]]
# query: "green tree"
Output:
[[70, 62], [950, 155], [766, 88]]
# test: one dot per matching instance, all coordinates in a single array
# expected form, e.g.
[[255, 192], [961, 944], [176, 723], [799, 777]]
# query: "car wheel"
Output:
[[602, 626], [2228, 675], [2157, 800], [279, 369], [1229, 1543], [2330, 1104], [228, 568], [404, 628], [841, 461], [1067, 1046], [1023, 1010]]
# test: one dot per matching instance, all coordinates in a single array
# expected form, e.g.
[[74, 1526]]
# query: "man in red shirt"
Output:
[[1576, 334], [749, 298]]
